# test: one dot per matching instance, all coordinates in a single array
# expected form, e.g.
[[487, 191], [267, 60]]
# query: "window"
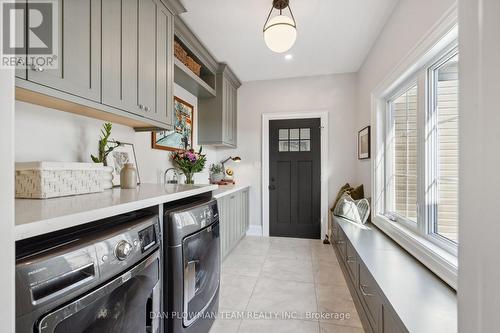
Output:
[[422, 152], [294, 139], [403, 150], [415, 163], [443, 147]]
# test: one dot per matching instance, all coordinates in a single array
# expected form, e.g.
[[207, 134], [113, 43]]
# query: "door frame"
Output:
[[266, 118]]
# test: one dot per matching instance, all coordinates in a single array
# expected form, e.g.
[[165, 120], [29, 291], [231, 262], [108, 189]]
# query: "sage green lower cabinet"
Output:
[[233, 220], [376, 315], [390, 322]]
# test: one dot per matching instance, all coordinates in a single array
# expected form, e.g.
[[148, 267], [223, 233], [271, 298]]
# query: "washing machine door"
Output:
[[129, 303], [201, 256]]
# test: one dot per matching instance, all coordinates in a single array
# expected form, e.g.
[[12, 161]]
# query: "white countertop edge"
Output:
[[224, 190], [36, 228]]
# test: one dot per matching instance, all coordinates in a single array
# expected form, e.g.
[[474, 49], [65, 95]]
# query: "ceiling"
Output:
[[333, 36]]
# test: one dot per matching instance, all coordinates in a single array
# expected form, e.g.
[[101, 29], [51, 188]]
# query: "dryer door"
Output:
[[201, 257]]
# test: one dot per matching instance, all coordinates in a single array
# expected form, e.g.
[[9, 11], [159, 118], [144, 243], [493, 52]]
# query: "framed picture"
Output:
[[364, 143], [117, 159], [181, 137]]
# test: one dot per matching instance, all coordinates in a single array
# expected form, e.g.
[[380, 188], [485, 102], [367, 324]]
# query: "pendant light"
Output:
[[280, 32]]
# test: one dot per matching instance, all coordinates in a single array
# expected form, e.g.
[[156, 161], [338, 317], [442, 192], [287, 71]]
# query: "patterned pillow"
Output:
[[344, 189], [355, 210]]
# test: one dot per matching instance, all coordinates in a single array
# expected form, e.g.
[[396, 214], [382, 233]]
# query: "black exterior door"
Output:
[[295, 178]]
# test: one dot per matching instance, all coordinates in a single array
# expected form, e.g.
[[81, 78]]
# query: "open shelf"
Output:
[[184, 77]]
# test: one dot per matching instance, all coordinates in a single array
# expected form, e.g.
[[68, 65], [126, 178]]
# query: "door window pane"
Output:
[[294, 134], [305, 133], [283, 146], [283, 134], [305, 145], [294, 145]]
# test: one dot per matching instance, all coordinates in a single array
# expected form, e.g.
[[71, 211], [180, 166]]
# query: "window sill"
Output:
[[439, 261]]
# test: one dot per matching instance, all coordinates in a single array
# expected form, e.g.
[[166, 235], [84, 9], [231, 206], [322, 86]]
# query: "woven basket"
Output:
[[193, 66], [180, 53], [43, 180]]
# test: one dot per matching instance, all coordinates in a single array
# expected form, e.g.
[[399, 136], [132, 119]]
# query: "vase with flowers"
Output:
[[189, 162]]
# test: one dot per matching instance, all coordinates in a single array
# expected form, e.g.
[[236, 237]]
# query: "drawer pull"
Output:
[[351, 260], [340, 242], [363, 290]]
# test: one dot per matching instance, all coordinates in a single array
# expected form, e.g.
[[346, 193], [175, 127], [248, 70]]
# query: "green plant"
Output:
[[104, 147], [216, 169], [189, 162]]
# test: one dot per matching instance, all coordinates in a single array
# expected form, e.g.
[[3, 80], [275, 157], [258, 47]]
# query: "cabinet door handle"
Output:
[[38, 69], [147, 108], [351, 259], [141, 106], [362, 288], [340, 242]]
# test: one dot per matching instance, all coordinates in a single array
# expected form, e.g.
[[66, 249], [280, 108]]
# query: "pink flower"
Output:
[[191, 156]]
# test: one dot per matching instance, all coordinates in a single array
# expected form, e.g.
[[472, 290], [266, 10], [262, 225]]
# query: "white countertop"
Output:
[[224, 190], [37, 217]]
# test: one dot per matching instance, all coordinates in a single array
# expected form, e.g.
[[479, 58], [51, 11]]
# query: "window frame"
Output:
[[426, 214], [431, 149], [442, 260], [403, 88]]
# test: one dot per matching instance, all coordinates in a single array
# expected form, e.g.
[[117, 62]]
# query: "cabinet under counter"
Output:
[[233, 204], [393, 291]]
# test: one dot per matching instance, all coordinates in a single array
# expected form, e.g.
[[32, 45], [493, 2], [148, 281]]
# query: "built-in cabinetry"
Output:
[[234, 219], [217, 90], [138, 82], [392, 291], [219, 116], [202, 86], [365, 288], [115, 62]]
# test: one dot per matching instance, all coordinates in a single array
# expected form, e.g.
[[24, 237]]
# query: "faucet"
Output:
[[175, 179]]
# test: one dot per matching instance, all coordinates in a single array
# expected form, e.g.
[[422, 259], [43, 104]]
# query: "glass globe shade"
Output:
[[280, 34]]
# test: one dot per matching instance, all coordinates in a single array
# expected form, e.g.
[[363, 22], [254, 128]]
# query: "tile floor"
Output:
[[265, 279]]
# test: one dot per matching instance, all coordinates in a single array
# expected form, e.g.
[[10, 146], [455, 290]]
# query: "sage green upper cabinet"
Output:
[[119, 54], [115, 63], [218, 116], [79, 55], [137, 58], [164, 65], [147, 57]]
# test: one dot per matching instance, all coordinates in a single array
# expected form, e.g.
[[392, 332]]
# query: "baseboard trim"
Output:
[[254, 230]]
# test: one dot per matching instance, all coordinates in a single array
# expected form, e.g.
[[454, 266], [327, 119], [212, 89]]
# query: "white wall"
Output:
[[333, 93], [479, 272], [7, 199], [409, 22], [44, 134]]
